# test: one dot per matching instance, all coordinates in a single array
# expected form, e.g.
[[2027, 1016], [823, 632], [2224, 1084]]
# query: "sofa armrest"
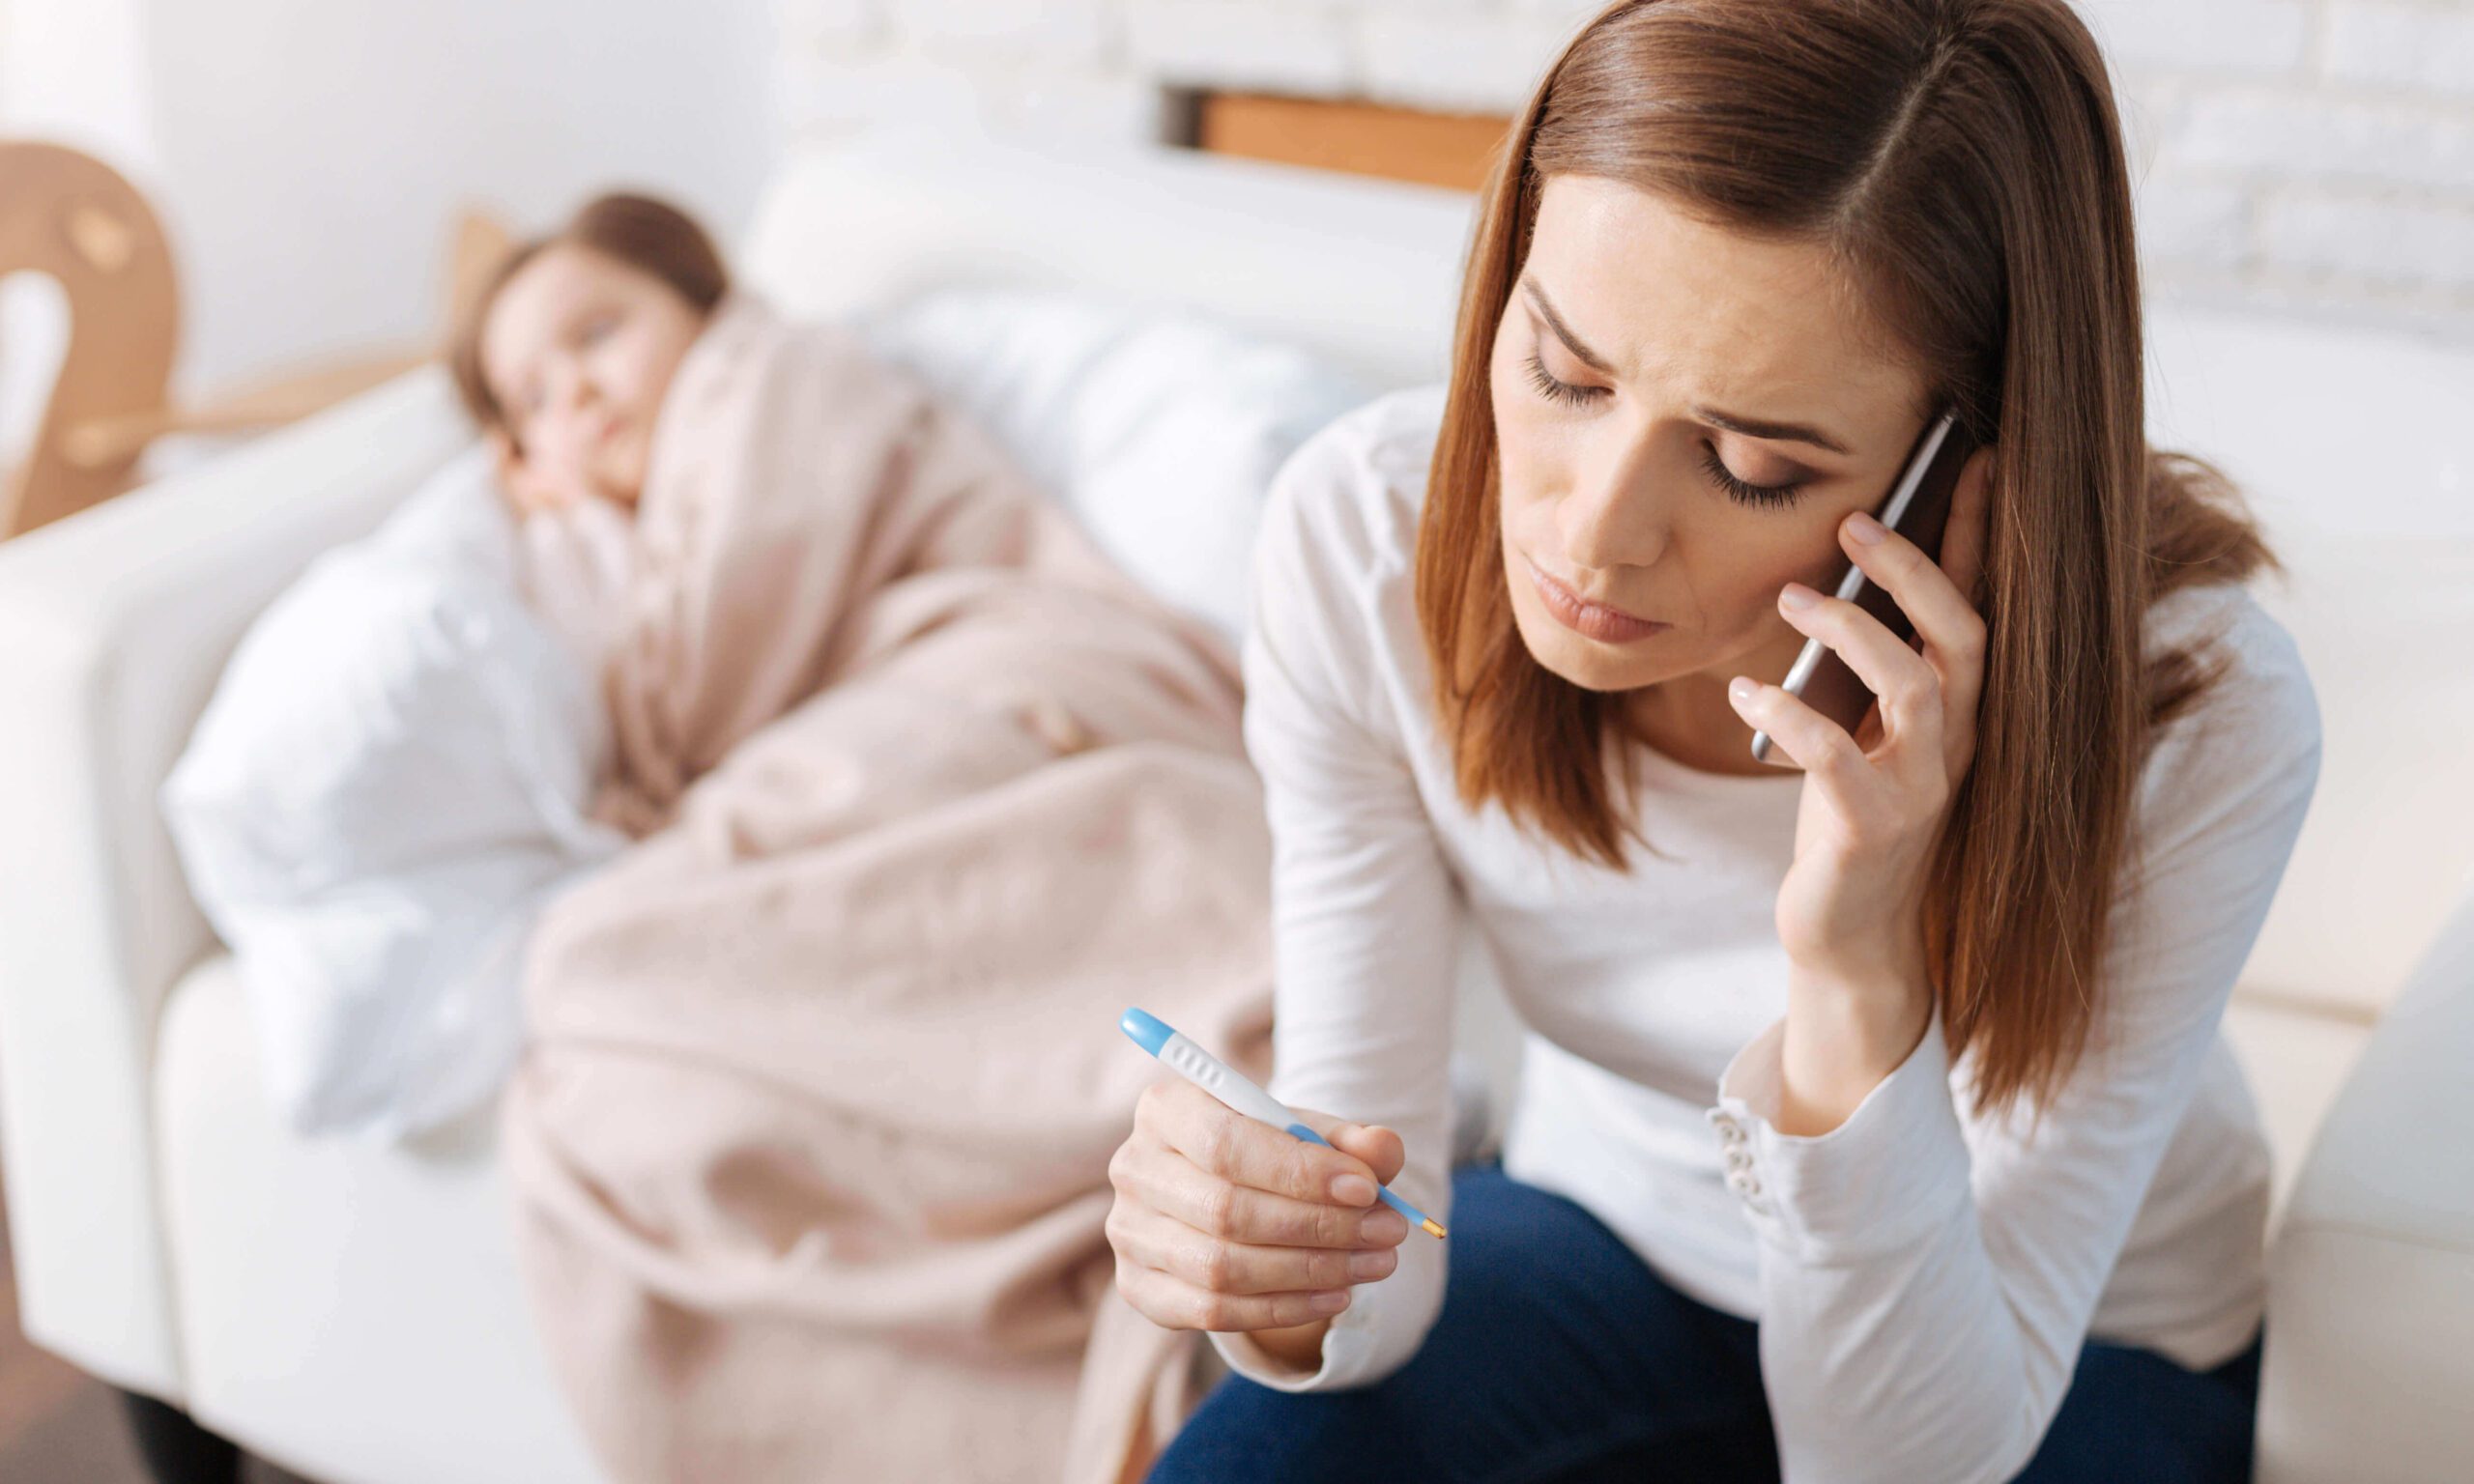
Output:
[[2371, 1280], [114, 626]]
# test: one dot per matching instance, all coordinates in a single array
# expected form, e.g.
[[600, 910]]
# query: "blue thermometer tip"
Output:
[[1147, 1030], [1416, 1216]]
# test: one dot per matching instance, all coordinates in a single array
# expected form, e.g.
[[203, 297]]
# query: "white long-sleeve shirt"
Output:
[[1923, 1277]]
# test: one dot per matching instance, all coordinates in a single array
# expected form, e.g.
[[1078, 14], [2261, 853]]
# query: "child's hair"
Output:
[[647, 235]]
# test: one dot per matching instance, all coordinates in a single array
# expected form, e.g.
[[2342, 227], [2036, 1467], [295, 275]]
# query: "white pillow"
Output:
[[1159, 431], [391, 779]]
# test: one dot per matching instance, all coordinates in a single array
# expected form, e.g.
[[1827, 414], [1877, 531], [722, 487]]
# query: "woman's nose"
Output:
[[1612, 517]]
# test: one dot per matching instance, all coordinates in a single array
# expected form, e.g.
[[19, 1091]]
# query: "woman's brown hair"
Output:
[[1961, 163], [647, 235]]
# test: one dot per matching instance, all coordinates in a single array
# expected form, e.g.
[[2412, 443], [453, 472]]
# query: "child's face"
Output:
[[578, 349]]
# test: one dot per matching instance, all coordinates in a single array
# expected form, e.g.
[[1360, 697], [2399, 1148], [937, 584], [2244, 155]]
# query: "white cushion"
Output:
[[391, 777], [1160, 429], [2370, 1282], [353, 1310], [2384, 624]]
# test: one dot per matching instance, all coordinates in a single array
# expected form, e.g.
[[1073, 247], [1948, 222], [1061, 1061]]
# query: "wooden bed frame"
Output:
[[1454, 150]]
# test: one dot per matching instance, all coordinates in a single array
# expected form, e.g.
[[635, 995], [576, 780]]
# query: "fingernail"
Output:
[[1385, 1225], [1863, 528], [1353, 1191], [1740, 690], [1331, 1302], [1364, 1266], [1796, 595]]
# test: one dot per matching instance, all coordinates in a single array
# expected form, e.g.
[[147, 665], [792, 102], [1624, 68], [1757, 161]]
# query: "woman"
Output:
[[1875, 1123]]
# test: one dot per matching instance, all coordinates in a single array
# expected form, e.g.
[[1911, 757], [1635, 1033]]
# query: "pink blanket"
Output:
[[810, 1147]]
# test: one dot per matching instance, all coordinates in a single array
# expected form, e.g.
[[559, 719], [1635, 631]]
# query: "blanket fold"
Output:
[[809, 1145]]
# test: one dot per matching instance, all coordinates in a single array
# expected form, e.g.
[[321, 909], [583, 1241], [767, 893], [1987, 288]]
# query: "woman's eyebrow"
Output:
[[1782, 432], [1563, 332], [1750, 427]]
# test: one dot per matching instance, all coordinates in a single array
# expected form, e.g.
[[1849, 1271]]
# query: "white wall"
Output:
[[309, 156], [2316, 156]]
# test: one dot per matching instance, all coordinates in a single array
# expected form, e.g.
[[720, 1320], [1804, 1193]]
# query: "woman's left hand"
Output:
[[1850, 909]]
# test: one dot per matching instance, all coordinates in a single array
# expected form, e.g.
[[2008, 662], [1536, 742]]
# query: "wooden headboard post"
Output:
[[71, 217]]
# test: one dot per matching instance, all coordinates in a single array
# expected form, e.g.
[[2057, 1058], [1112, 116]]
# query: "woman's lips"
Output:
[[1606, 625]]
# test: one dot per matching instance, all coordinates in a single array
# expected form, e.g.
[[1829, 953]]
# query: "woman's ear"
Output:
[[1963, 538], [525, 489]]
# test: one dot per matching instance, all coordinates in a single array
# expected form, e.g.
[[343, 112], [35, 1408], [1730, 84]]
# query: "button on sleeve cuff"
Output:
[[1894, 1170]]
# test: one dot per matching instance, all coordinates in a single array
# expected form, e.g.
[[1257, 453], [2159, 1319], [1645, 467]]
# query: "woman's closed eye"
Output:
[[1744, 490], [1740, 490], [1554, 389]]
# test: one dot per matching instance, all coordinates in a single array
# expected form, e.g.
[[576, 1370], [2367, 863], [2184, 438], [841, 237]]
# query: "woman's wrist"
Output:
[[1841, 1040], [1299, 1347]]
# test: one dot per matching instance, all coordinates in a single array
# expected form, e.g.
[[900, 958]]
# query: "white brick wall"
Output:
[[2307, 155], [2425, 47], [1271, 44]]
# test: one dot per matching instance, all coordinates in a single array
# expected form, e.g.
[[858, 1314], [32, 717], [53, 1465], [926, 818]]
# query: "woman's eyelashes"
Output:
[[1745, 489], [1742, 491], [1555, 389]]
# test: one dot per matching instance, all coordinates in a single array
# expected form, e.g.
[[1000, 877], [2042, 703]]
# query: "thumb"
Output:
[[1379, 1147]]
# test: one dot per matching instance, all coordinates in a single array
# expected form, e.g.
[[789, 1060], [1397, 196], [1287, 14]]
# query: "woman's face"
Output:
[[578, 350], [1684, 416]]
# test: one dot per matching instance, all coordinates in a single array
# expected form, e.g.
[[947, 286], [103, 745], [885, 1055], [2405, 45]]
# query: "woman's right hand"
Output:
[[1225, 1223]]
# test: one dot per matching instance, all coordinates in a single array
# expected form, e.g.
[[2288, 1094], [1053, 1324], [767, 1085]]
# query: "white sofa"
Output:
[[354, 1312]]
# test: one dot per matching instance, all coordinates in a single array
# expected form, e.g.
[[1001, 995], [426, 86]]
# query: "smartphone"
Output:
[[1918, 508]]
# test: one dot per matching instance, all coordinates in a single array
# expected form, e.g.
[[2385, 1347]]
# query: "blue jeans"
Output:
[[1560, 1355]]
